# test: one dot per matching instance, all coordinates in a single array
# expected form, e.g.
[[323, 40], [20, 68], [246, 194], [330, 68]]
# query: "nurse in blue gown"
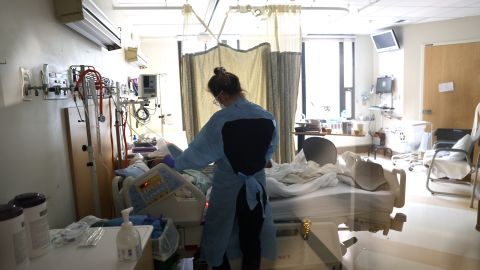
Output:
[[240, 139]]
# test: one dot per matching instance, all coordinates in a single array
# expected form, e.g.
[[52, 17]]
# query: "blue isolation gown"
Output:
[[220, 233]]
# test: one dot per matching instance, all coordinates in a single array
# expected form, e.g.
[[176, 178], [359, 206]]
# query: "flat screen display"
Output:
[[385, 41], [384, 85]]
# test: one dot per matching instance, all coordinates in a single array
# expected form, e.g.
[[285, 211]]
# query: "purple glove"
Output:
[[169, 161]]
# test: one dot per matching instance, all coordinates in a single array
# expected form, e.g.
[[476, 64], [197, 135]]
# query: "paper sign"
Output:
[[445, 87]]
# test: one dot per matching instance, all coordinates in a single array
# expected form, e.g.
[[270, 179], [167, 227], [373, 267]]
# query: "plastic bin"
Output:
[[164, 246]]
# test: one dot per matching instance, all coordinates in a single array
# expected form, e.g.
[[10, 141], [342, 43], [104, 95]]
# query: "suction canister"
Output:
[[13, 244], [35, 210]]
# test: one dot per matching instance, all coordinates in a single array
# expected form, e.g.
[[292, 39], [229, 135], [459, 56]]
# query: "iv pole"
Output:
[[89, 149], [117, 126]]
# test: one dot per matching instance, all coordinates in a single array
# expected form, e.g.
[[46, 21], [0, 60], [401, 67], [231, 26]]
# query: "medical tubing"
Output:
[[146, 127], [111, 130], [136, 133], [117, 127], [97, 124], [125, 138], [98, 84], [76, 105], [129, 108]]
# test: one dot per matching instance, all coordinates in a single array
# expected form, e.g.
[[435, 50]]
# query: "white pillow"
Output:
[[463, 144]]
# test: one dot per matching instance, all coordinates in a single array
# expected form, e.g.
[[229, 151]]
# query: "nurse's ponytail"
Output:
[[224, 81]]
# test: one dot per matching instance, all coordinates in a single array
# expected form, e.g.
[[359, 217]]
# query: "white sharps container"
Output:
[[13, 243], [35, 210]]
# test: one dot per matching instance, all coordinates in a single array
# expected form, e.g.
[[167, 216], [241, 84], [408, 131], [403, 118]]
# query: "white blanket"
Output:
[[444, 166], [278, 189], [300, 177]]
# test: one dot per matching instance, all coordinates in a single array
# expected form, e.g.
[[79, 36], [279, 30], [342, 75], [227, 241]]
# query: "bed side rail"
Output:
[[155, 193], [397, 181]]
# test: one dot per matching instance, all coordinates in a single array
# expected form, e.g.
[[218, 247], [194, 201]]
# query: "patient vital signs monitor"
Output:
[[148, 85]]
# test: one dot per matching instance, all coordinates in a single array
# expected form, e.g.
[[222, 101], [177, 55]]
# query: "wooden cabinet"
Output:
[[82, 185]]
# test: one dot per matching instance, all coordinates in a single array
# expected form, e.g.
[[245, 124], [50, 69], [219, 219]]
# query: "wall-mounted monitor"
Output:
[[385, 41], [384, 85]]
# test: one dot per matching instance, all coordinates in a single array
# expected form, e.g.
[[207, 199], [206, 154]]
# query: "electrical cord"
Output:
[[143, 117]]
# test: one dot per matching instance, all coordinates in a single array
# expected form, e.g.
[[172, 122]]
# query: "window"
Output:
[[328, 79]]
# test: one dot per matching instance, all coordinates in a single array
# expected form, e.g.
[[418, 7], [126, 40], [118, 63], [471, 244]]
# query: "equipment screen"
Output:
[[384, 85]]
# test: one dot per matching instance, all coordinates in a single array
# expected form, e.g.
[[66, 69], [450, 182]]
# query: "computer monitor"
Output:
[[384, 85]]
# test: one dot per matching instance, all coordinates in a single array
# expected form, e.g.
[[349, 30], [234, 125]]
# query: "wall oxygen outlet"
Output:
[[25, 82], [57, 85]]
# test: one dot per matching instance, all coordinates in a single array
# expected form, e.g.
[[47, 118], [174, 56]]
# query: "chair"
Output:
[[447, 137], [452, 158], [320, 150], [374, 147]]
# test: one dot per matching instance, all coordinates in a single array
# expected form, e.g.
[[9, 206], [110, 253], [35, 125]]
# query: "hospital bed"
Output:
[[307, 225], [359, 209]]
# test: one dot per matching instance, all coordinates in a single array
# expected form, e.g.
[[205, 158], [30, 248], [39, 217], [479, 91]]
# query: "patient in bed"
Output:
[[303, 176]]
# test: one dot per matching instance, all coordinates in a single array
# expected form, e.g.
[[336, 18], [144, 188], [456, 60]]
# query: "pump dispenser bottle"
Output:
[[129, 246]]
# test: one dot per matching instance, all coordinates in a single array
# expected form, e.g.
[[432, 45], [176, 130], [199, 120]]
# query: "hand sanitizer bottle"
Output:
[[129, 247]]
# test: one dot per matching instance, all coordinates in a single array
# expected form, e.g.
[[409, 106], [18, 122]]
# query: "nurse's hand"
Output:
[[169, 161]]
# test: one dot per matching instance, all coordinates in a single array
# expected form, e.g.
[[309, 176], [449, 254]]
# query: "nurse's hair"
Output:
[[224, 81]]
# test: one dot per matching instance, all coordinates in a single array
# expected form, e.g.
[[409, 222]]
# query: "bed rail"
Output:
[[396, 179], [163, 191]]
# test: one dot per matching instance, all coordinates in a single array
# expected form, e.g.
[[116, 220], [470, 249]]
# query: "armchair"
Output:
[[454, 163]]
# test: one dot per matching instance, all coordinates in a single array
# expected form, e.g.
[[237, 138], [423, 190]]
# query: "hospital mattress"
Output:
[[337, 203]]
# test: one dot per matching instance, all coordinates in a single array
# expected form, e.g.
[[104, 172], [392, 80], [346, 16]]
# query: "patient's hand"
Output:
[[152, 162], [169, 161]]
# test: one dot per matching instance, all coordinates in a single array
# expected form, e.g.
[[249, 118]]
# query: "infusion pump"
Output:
[[148, 85]]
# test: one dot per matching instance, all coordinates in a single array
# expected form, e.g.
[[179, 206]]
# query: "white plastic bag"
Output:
[[185, 264]]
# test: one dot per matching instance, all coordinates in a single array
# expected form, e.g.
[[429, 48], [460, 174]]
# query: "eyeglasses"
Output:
[[215, 101]]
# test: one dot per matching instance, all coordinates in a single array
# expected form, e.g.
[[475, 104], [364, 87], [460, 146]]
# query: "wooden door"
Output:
[[82, 185], [457, 63]]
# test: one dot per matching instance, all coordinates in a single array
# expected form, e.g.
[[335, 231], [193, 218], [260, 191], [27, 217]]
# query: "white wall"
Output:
[[163, 59], [413, 38], [34, 154]]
